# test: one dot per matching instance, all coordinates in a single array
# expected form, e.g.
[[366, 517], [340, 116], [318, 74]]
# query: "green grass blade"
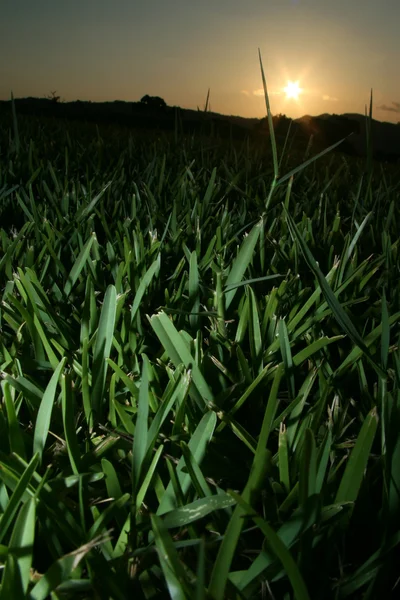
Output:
[[278, 547], [14, 431], [198, 480], [45, 411], [61, 570], [22, 540], [17, 495], [286, 356], [102, 348], [283, 459], [172, 568], [141, 429], [11, 584], [310, 161], [339, 313], [241, 263], [78, 265], [143, 286], [270, 121], [222, 565], [179, 354], [353, 475], [197, 444], [68, 414], [88, 209], [196, 510]]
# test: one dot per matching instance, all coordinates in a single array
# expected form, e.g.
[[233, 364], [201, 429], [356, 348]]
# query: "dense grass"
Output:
[[200, 372]]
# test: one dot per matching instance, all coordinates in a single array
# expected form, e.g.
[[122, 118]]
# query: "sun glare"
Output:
[[292, 90]]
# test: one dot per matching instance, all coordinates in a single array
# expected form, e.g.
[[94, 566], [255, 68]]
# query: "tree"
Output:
[[53, 97], [281, 124], [153, 102]]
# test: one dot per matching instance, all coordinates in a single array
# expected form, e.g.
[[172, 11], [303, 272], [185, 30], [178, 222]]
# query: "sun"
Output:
[[292, 90]]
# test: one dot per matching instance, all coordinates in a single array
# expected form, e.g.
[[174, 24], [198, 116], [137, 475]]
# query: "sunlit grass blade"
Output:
[[241, 263], [286, 356], [18, 494], [144, 284], [22, 541], [198, 480], [179, 354], [283, 459], [45, 411], [250, 282], [174, 573], [89, 207], [196, 510], [194, 288], [14, 432], [152, 469], [102, 348], [71, 438], [254, 328], [141, 429], [270, 122], [353, 475], [78, 265], [337, 310], [197, 444]]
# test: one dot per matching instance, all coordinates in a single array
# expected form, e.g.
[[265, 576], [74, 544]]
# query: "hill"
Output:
[[325, 129]]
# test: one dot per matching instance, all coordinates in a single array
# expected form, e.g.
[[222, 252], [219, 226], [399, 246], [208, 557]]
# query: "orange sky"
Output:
[[119, 49]]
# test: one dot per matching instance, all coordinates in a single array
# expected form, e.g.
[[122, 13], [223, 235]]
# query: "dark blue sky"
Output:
[[177, 49]]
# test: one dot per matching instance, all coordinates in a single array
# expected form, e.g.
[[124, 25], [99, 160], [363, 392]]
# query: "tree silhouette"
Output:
[[53, 97], [153, 102]]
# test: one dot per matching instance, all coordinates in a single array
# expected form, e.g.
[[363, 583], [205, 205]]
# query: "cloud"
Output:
[[260, 92], [245, 92], [394, 108], [329, 98]]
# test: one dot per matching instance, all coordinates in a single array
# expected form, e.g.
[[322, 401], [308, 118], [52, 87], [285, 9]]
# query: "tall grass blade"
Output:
[[102, 348], [353, 475], [45, 411]]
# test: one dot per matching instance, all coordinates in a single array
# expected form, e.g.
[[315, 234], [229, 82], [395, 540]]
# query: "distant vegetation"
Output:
[[152, 113], [154, 102]]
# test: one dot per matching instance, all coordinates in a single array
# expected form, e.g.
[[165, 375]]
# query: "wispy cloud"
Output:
[[329, 98], [260, 92], [394, 107]]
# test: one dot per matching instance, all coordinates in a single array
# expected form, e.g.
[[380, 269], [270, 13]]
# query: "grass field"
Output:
[[200, 393]]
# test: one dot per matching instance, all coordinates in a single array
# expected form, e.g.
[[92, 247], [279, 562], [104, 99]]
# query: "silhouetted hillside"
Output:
[[153, 114]]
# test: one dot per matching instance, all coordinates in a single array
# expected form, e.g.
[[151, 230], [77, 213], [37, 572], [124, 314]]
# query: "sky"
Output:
[[105, 50]]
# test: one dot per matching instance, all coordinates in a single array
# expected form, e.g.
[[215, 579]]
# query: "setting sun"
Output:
[[292, 90]]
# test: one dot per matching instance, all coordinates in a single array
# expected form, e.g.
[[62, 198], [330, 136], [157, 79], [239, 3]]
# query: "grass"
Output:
[[200, 368]]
